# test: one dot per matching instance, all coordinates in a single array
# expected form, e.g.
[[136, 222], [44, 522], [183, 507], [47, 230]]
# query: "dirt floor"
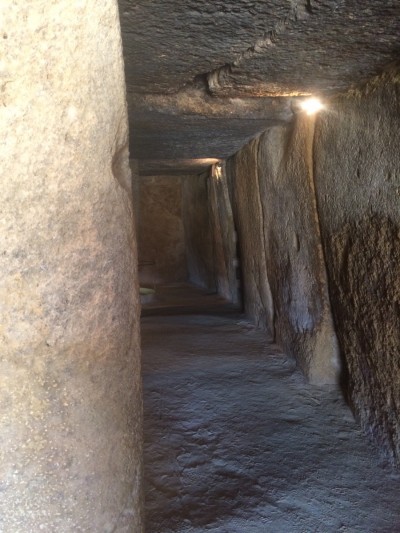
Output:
[[237, 441]]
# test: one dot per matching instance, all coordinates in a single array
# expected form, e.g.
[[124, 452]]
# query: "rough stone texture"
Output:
[[190, 138], [237, 442], [167, 43], [294, 259], [198, 231], [284, 278], [357, 173], [70, 409], [256, 292], [225, 241], [160, 234], [180, 131], [180, 54], [322, 46], [270, 46]]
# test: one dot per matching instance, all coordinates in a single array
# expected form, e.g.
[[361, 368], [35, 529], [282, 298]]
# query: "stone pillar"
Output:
[[70, 415]]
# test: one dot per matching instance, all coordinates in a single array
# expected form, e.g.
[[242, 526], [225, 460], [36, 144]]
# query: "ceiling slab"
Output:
[[205, 77]]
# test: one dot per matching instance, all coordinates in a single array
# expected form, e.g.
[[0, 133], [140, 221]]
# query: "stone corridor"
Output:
[[208, 157], [236, 441]]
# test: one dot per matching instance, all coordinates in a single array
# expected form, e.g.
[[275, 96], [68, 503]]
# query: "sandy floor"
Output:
[[236, 441]]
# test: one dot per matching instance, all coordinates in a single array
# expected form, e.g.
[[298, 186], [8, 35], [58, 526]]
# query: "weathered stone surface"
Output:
[[322, 46], [293, 252], [198, 231], [285, 287], [357, 173], [160, 232], [225, 241], [167, 43], [181, 54], [258, 48], [177, 133], [256, 293], [70, 409], [158, 136]]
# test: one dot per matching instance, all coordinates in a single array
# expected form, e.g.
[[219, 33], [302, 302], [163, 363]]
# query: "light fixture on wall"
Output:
[[217, 171], [311, 105]]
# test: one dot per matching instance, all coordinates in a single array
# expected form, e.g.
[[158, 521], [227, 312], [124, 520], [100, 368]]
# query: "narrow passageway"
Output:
[[237, 441]]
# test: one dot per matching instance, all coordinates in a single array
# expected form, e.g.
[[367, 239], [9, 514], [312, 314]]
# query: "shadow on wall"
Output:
[[160, 231]]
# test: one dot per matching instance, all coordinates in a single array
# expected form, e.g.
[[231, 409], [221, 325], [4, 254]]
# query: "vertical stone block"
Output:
[[225, 257], [357, 176], [160, 231], [248, 215], [198, 231], [293, 251], [70, 409]]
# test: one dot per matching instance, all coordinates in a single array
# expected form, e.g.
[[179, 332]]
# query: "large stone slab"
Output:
[[283, 272], [257, 48], [248, 217], [167, 43], [357, 174], [198, 231], [321, 47], [160, 232], [70, 408], [293, 252], [224, 233]]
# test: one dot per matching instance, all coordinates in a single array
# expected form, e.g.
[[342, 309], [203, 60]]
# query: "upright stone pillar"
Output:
[[70, 414]]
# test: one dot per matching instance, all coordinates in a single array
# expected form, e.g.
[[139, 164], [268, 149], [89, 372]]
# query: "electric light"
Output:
[[311, 105], [218, 171]]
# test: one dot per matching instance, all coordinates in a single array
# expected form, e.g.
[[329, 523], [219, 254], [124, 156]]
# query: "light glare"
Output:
[[311, 106], [217, 171]]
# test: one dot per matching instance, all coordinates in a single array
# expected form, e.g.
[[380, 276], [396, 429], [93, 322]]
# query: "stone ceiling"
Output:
[[204, 77]]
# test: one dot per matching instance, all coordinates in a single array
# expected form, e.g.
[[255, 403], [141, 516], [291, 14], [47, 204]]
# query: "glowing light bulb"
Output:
[[311, 105], [218, 171]]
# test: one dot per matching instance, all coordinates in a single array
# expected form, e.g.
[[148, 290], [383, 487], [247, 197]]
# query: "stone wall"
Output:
[[160, 232], [198, 232], [285, 288], [70, 407], [294, 260], [256, 292], [316, 204], [357, 176], [224, 235]]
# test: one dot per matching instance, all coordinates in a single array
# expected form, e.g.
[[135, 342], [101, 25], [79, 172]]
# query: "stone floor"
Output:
[[237, 441]]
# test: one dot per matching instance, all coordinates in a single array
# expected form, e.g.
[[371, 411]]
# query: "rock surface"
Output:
[[178, 55], [247, 211], [357, 174], [292, 250], [70, 409], [179, 132], [247, 47], [320, 47], [283, 271], [225, 240], [198, 232], [161, 239], [237, 442]]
